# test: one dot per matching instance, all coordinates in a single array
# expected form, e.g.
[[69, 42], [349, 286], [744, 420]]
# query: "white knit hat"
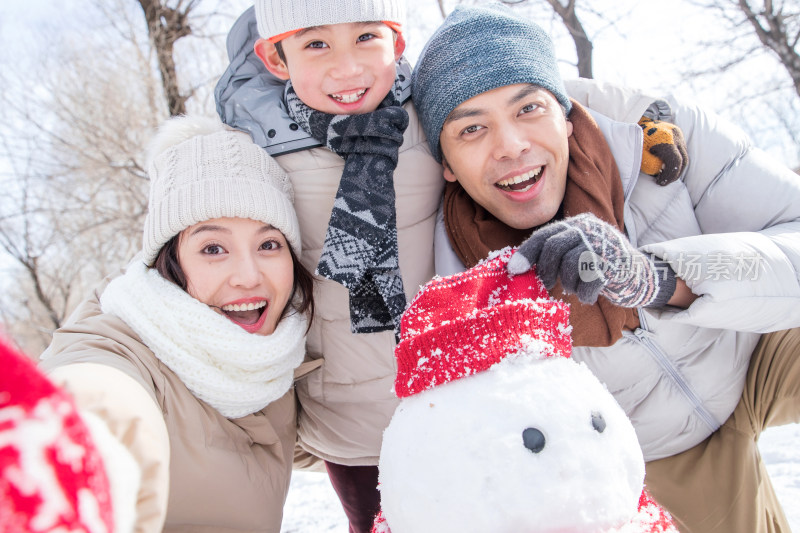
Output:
[[277, 17], [200, 169]]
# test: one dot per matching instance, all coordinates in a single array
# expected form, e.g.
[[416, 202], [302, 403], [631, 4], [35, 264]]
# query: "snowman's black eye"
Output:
[[533, 439], [598, 422]]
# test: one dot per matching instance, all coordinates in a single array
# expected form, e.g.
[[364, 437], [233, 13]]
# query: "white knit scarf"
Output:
[[236, 372]]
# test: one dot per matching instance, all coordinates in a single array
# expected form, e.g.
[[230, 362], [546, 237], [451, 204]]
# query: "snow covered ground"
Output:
[[780, 448], [312, 506]]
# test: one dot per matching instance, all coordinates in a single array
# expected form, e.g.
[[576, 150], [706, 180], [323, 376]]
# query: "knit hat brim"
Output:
[[234, 198], [474, 343], [277, 17]]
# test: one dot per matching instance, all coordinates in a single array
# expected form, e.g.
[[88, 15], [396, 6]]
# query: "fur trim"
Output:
[[179, 129]]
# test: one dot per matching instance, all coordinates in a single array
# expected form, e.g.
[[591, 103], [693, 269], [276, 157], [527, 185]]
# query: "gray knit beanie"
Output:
[[200, 169], [475, 50], [276, 17]]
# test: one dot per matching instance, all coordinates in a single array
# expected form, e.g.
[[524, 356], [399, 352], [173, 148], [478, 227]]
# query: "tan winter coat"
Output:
[[348, 403], [201, 472]]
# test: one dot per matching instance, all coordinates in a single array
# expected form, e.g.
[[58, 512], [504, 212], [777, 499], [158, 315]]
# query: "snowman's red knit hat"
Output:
[[51, 475], [463, 324]]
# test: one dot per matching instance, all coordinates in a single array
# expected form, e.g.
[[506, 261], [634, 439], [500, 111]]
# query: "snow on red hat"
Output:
[[51, 475], [463, 324]]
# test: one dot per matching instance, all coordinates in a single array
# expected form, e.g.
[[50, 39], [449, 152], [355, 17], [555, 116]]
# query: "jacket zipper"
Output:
[[644, 335], [663, 361]]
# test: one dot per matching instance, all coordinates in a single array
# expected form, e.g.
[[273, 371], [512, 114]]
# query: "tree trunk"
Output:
[[583, 46], [165, 25], [770, 27]]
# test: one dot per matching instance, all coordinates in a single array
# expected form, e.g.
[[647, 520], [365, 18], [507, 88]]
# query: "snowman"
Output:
[[498, 429]]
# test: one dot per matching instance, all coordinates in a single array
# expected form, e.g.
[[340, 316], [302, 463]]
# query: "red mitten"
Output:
[[51, 475]]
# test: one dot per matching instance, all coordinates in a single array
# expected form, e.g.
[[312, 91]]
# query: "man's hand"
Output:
[[664, 155], [593, 258]]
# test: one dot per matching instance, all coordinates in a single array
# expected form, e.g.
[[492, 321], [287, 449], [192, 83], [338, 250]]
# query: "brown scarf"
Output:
[[593, 185]]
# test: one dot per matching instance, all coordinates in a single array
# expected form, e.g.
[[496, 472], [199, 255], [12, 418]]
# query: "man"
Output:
[[673, 286]]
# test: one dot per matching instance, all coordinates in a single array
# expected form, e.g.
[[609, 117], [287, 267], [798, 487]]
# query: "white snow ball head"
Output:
[[527, 446]]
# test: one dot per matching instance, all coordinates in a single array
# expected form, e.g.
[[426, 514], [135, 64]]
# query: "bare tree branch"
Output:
[[166, 25], [770, 25], [583, 45], [442, 10], [767, 25]]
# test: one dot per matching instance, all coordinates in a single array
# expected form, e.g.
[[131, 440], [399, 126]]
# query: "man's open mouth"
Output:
[[521, 182]]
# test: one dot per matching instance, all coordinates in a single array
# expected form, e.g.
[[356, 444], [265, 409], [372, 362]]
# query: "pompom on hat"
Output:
[[200, 170], [475, 50], [463, 324], [52, 477], [277, 19]]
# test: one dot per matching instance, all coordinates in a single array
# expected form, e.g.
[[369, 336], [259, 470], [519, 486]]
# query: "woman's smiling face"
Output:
[[239, 267]]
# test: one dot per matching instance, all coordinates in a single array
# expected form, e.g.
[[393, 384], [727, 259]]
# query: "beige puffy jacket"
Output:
[[200, 471], [347, 403]]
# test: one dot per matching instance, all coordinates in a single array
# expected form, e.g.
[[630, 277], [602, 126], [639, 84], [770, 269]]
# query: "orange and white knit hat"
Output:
[[278, 19]]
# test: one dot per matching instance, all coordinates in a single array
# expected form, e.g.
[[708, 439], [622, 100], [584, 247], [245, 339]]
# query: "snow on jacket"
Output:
[[200, 471], [346, 405], [730, 228]]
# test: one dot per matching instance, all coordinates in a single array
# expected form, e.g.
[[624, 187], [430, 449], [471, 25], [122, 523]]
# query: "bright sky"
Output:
[[655, 44]]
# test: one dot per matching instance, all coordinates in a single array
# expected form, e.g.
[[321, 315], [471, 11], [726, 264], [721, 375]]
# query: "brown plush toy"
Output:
[[664, 155]]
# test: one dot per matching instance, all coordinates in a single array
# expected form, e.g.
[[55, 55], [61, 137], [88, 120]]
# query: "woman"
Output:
[[189, 356]]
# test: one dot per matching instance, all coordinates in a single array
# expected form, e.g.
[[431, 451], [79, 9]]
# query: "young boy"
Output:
[[333, 108]]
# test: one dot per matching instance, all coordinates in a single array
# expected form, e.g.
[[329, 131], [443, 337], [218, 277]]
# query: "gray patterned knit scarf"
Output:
[[360, 250]]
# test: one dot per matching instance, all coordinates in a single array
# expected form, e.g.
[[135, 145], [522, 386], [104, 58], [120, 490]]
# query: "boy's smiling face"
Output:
[[342, 69]]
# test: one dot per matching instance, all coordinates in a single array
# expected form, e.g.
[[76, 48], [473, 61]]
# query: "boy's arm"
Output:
[[619, 103]]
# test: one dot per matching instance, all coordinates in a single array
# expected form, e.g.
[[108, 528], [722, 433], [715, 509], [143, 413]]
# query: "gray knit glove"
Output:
[[593, 258]]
